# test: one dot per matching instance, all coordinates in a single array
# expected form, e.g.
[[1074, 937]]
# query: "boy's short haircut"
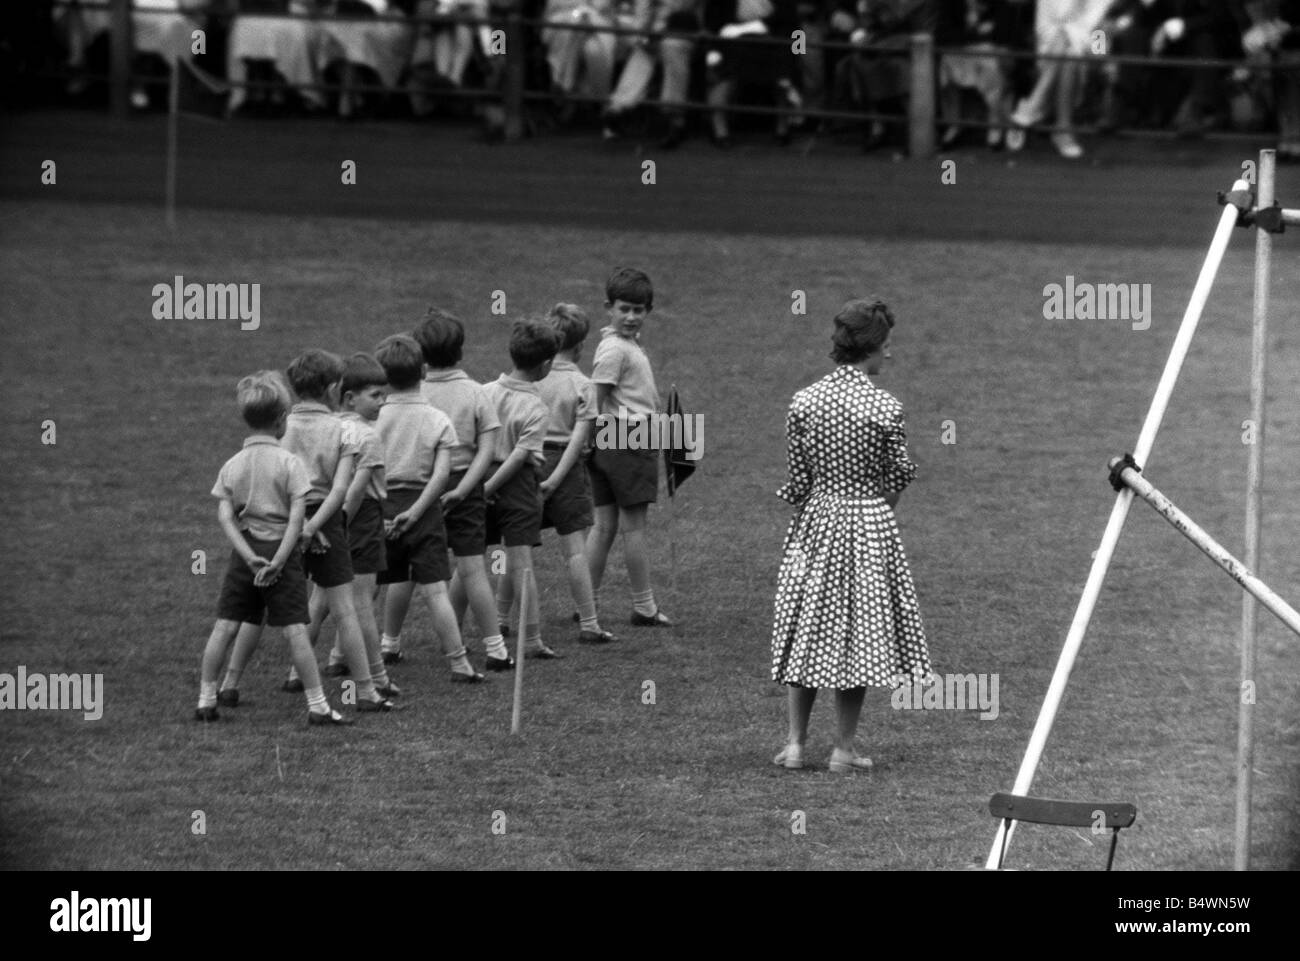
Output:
[[570, 322], [631, 286], [263, 399], [313, 373], [361, 371], [532, 343], [441, 338], [402, 361]]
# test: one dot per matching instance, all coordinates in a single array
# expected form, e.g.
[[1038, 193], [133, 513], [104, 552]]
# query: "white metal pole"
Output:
[[1254, 488], [1101, 560], [1238, 571]]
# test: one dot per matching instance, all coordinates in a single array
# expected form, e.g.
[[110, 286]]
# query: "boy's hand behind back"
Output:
[[266, 575], [316, 543], [400, 524]]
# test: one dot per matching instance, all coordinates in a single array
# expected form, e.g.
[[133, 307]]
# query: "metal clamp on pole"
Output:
[[1243, 200], [1270, 218], [1117, 466]]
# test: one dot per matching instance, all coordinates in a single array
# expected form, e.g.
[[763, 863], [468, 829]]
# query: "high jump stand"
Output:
[[1244, 207]]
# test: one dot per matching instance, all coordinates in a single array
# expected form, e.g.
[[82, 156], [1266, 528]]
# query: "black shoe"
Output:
[[336, 670], [206, 714], [721, 141], [389, 692], [544, 653], [506, 663], [292, 686], [229, 697], [373, 707], [676, 136], [393, 657], [611, 125], [476, 678], [656, 619], [333, 718], [505, 629], [596, 637]]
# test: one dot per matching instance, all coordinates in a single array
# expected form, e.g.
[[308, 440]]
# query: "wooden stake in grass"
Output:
[[516, 715]]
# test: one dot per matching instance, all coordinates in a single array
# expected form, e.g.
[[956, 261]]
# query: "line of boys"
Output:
[[448, 464]]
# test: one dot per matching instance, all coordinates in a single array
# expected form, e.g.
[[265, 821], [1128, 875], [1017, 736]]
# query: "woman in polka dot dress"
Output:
[[846, 614]]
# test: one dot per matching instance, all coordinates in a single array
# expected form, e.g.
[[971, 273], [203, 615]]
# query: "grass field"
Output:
[[100, 530]]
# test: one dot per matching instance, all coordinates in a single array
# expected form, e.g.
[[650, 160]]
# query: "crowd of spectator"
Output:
[[797, 57]]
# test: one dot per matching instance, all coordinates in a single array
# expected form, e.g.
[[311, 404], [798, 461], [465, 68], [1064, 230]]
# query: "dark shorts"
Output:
[[366, 538], [466, 522], [283, 603], [420, 554], [568, 509], [624, 477], [333, 567], [514, 517]]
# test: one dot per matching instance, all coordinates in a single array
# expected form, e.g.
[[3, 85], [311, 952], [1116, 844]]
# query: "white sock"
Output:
[[316, 702], [389, 644], [644, 603], [496, 646], [379, 673], [207, 694], [232, 679]]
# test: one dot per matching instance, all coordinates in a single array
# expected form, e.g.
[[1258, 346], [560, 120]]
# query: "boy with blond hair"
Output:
[[262, 498]]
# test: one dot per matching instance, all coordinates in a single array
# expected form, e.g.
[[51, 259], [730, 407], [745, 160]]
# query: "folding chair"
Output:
[[1074, 814]]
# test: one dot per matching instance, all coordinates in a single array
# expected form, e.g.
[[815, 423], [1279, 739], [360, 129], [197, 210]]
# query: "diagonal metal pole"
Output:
[[1101, 560], [1239, 572]]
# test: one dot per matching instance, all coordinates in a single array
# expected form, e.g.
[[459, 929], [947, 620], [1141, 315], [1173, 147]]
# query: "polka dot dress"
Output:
[[846, 613]]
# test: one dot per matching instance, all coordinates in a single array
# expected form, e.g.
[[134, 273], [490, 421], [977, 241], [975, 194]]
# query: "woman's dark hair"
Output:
[[861, 327]]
